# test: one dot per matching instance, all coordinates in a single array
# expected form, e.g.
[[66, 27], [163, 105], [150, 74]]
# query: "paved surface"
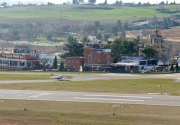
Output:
[[95, 76], [109, 76], [90, 97], [93, 97], [24, 81]]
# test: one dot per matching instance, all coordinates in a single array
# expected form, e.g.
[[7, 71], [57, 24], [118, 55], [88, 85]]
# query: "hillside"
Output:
[[79, 13]]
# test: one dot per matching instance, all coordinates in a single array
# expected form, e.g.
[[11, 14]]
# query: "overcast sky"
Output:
[[98, 1]]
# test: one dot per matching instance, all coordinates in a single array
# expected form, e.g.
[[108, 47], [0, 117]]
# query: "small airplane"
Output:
[[58, 77]]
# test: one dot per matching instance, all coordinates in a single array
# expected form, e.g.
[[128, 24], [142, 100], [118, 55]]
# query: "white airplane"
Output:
[[58, 77]]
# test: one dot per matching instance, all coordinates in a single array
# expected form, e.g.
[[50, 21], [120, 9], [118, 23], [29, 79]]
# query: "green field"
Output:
[[75, 12]]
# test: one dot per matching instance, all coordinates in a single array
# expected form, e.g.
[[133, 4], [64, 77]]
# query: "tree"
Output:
[[163, 56], [172, 67], [61, 67], [4, 4], [177, 67], [85, 40], [74, 1], [125, 27], [105, 2], [119, 25], [97, 24], [149, 52], [70, 39], [139, 3], [92, 1], [48, 37], [54, 66], [99, 36], [106, 37], [77, 1], [73, 49], [123, 34], [81, 1], [161, 3], [127, 47], [114, 30], [120, 47], [116, 50]]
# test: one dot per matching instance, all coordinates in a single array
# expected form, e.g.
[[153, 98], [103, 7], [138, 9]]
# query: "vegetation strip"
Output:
[[129, 86]]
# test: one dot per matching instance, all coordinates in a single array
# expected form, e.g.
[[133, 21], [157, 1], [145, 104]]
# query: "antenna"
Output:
[[155, 24]]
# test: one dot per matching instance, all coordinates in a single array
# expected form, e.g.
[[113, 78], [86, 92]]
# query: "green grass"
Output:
[[23, 77], [73, 12], [75, 113], [130, 86], [29, 75]]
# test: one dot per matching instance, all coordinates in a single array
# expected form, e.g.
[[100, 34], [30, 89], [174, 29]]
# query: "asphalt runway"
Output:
[[90, 97], [109, 76]]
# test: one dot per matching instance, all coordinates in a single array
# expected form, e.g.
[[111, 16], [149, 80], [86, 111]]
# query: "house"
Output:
[[18, 58], [156, 42], [130, 63]]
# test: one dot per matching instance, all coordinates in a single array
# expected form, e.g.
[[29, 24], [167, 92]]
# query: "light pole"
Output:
[[99, 64]]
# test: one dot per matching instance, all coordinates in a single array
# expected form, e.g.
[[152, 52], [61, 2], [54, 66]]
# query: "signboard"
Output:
[[15, 56]]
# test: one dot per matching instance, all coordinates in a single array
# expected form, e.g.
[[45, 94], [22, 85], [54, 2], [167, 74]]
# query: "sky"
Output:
[[97, 1]]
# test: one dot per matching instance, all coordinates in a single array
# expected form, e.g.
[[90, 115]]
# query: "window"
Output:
[[22, 63], [142, 63], [76, 61], [68, 61], [13, 63], [72, 61]]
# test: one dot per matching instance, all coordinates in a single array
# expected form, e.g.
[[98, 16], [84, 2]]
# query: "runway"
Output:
[[90, 97]]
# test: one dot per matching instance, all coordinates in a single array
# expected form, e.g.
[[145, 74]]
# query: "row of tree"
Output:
[[29, 31]]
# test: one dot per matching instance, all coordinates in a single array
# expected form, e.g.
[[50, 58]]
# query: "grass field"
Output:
[[76, 12], [71, 113], [131, 86]]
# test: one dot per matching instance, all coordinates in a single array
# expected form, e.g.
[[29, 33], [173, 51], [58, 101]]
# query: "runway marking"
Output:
[[109, 99], [34, 96], [43, 94], [140, 97], [38, 95]]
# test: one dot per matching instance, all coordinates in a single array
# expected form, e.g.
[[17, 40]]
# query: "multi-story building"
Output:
[[156, 42], [18, 58], [74, 63], [93, 56]]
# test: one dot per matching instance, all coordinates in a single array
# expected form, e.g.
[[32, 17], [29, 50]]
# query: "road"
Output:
[[90, 97]]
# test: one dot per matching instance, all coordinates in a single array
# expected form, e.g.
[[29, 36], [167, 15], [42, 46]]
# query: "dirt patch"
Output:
[[39, 48], [172, 34]]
